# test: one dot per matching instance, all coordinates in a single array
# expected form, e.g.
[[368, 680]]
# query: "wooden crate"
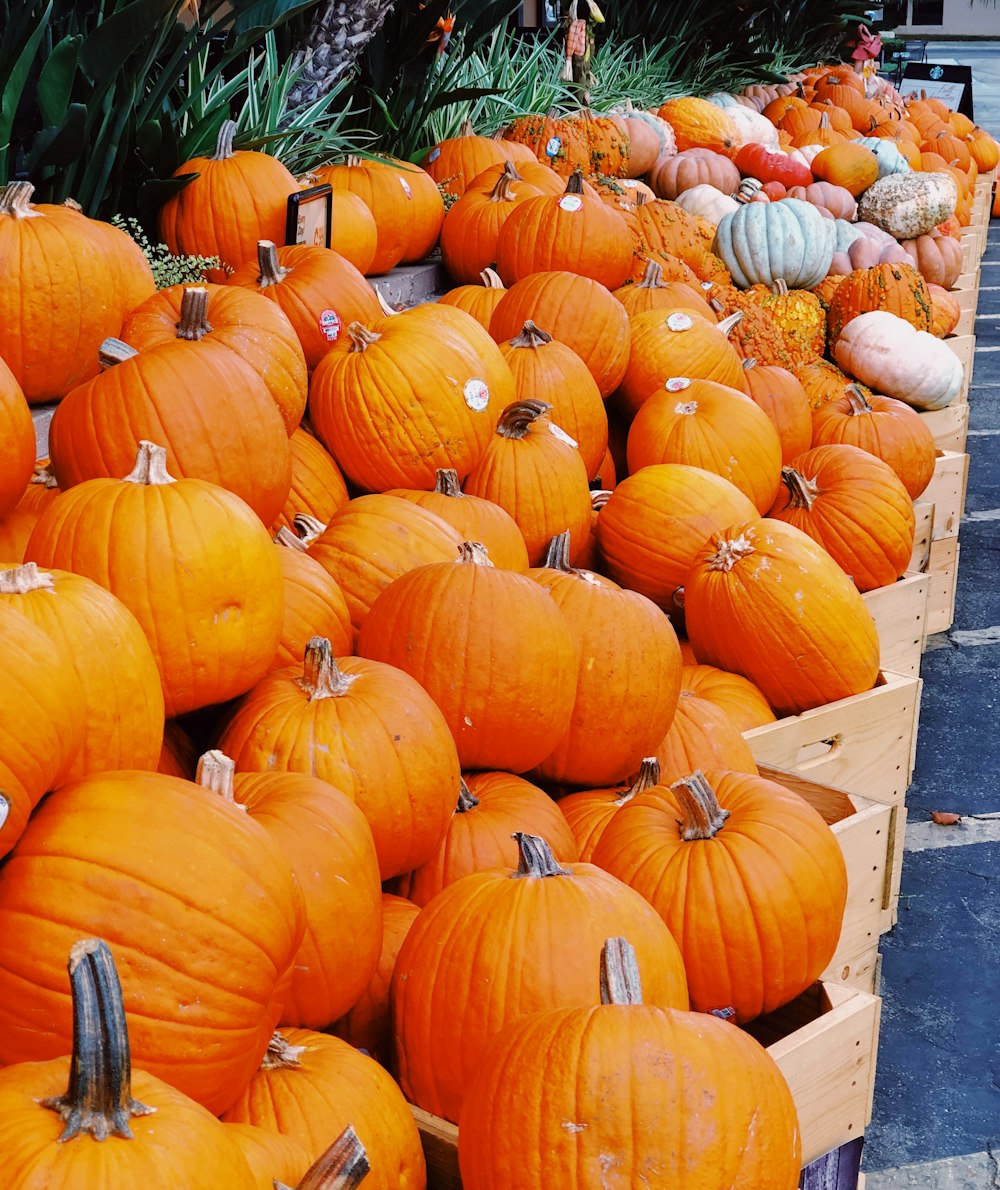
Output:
[[825, 1043], [864, 744], [900, 614], [864, 830], [964, 346], [942, 568], [923, 514], [966, 324], [946, 492], [949, 426]]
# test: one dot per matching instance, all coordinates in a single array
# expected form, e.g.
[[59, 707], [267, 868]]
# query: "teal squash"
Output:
[[844, 234], [890, 159], [787, 240]]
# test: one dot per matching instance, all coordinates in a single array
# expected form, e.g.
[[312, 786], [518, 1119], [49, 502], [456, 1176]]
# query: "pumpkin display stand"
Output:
[[900, 614]]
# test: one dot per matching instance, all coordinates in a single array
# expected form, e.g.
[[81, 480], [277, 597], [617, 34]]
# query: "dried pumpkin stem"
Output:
[[216, 773], [728, 325], [15, 200], [647, 776], [473, 553], [652, 278], [749, 363], [224, 144], [361, 337], [535, 858], [113, 352], [272, 272], [780, 287], [729, 552], [516, 419], [42, 475], [281, 1054], [620, 981], [557, 555], [502, 192], [467, 800], [857, 401], [531, 336], [467, 128], [150, 465], [574, 184], [491, 279], [308, 527], [447, 483], [290, 540], [703, 816], [802, 491], [342, 1166], [599, 499], [98, 1101], [321, 676], [193, 324], [21, 579]]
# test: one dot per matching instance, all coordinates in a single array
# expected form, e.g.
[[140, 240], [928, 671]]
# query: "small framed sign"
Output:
[[951, 84], [310, 213]]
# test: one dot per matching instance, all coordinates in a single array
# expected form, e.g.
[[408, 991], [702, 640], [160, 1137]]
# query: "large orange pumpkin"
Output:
[[897, 288], [314, 604], [472, 226], [849, 165], [318, 488], [653, 293], [17, 442], [784, 400], [453, 163]]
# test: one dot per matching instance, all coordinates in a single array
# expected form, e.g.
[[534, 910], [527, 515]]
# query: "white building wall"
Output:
[[961, 19]]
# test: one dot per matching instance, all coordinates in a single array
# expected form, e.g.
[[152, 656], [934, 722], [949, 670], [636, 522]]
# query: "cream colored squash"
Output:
[[909, 205], [708, 202]]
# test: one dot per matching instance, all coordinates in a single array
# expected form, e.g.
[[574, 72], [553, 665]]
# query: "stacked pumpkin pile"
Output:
[[466, 803]]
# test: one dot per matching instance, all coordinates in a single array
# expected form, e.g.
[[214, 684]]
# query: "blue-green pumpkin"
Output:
[[765, 242], [890, 159], [844, 234]]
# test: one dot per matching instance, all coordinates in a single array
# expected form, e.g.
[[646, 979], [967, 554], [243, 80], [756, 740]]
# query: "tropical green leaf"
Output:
[[55, 80], [106, 50], [10, 97], [62, 144]]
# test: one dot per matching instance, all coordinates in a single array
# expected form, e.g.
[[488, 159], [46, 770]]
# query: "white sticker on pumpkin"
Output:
[[406, 186], [477, 395], [330, 325], [679, 322], [571, 202], [434, 154], [561, 434], [629, 183], [553, 147], [677, 384]]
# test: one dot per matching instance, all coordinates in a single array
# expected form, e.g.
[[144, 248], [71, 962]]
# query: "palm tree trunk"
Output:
[[339, 32]]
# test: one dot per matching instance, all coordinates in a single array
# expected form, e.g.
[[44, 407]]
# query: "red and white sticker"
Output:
[[406, 186], [571, 202], [477, 395], [679, 322], [677, 384], [330, 325]]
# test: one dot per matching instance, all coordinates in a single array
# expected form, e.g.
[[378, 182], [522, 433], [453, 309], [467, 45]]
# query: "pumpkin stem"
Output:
[[599, 499], [502, 192], [535, 857], [224, 143], [473, 553], [531, 336], [342, 1166], [308, 527], [215, 773], [271, 271], [728, 325], [21, 579], [857, 401], [113, 351], [491, 279], [42, 474], [647, 776], [729, 552], [824, 121], [557, 555], [516, 419], [383, 302], [150, 465], [15, 200], [652, 278], [98, 1101], [703, 816], [467, 129], [467, 800], [620, 982], [361, 337], [447, 483], [780, 287], [749, 362], [802, 491], [194, 324], [281, 1054], [574, 184], [290, 540], [321, 676]]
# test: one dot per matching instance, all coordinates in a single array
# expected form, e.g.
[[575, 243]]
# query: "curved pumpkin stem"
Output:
[[599, 499], [150, 465], [535, 858], [467, 128], [473, 553], [729, 552], [557, 555], [113, 352], [620, 981], [652, 278], [574, 184], [193, 324], [802, 491], [361, 337], [516, 419], [728, 325], [15, 200], [321, 676], [20, 580], [342, 1166], [216, 772], [703, 816], [502, 192], [780, 287], [224, 144], [272, 272], [387, 309], [531, 336], [98, 1101], [491, 279], [285, 537], [857, 401], [447, 483], [467, 800], [308, 527], [281, 1054], [647, 776]]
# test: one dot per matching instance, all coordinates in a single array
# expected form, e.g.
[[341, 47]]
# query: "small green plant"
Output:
[[167, 268]]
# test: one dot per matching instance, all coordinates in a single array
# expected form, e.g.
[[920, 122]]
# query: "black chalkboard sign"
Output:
[[951, 84]]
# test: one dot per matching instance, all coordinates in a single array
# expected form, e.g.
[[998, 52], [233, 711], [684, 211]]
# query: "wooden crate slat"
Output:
[[900, 614]]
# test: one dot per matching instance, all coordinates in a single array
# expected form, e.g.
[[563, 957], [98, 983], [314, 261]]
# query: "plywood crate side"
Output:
[[970, 252], [942, 566], [863, 744], [900, 614], [968, 282], [966, 324], [946, 491], [860, 972], [948, 426], [963, 345], [862, 830], [923, 513], [825, 1042]]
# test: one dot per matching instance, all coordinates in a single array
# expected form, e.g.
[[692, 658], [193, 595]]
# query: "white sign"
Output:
[[949, 93]]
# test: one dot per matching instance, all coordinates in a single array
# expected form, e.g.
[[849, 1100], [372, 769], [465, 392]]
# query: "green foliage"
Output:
[[167, 268]]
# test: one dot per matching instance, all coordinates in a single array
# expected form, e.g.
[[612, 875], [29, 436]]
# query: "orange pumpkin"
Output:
[[453, 163], [314, 604], [702, 734], [945, 310], [16, 526], [653, 293], [849, 165], [698, 124], [784, 400], [746, 707], [478, 300], [353, 230], [318, 488], [589, 811], [385, 191], [17, 443], [472, 226], [896, 288]]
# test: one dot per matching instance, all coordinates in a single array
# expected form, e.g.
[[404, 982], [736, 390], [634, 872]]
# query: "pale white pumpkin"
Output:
[[890, 356], [910, 204], [751, 128], [708, 202]]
